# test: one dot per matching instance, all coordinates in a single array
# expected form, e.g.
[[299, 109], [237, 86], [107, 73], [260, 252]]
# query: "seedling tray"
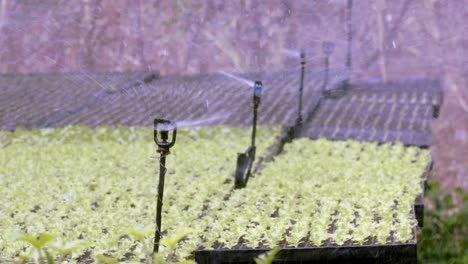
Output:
[[389, 253], [379, 112], [419, 204], [223, 246], [348, 118], [410, 91]]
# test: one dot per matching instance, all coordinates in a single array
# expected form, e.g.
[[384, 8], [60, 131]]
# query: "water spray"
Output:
[[245, 160], [292, 53], [161, 136], [104, 96], [237, 78]]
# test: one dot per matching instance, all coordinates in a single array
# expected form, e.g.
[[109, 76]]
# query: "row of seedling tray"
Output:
[[382, 249]]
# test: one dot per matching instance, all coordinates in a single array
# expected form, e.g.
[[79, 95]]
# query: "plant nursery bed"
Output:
[[94, 190], [323, 201], [347, 197], [361, 211], [347, 253]]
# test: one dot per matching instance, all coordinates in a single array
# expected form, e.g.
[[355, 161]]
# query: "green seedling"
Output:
[[64, 249], [38, 250], [42, 246], [138, 234], [171, 243], [268, 257], [106, 260]]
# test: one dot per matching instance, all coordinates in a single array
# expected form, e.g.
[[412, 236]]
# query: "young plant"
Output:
[[268, 257], [38, 251]]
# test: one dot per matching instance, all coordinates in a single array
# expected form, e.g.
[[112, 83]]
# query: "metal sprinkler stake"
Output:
[[301, 89], [162, 127], [327, 48], [245, 160], [349, 18], [256, 103]]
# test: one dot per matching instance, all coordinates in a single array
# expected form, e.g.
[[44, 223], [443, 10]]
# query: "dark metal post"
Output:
[[325, 81], [328, 48], [350, 35], [162, 175], [256, 103], [301, 89], [245, 160], [163, 127], [253, 149]]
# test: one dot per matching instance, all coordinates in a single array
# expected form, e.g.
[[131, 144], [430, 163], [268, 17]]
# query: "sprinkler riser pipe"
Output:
[[162, 176], [256, 103], [301, 90], [327, 48], [254, 126], [245, 160], [162, 128], [350, 35], [327, 62]]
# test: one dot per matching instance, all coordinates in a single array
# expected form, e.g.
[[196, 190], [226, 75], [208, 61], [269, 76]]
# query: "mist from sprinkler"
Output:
[[239, 79], [293, 53], [105, 96], [203, 121]]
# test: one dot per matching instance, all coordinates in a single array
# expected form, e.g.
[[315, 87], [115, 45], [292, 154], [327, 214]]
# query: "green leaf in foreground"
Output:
[[172, 241], [138, 234], [37, 242], [268, 257], [106, 260]]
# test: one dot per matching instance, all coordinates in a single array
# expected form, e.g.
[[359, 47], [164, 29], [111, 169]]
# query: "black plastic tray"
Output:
[[419, 203], [389, 253]]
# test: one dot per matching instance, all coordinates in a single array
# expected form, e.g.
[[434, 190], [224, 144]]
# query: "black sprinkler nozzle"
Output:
[[162, 128], [258, 87], [328, 47]]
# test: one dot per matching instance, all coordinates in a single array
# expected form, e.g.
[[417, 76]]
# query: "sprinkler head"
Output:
[[302, 56], [162, 128], [328, 47], [258, 86]]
